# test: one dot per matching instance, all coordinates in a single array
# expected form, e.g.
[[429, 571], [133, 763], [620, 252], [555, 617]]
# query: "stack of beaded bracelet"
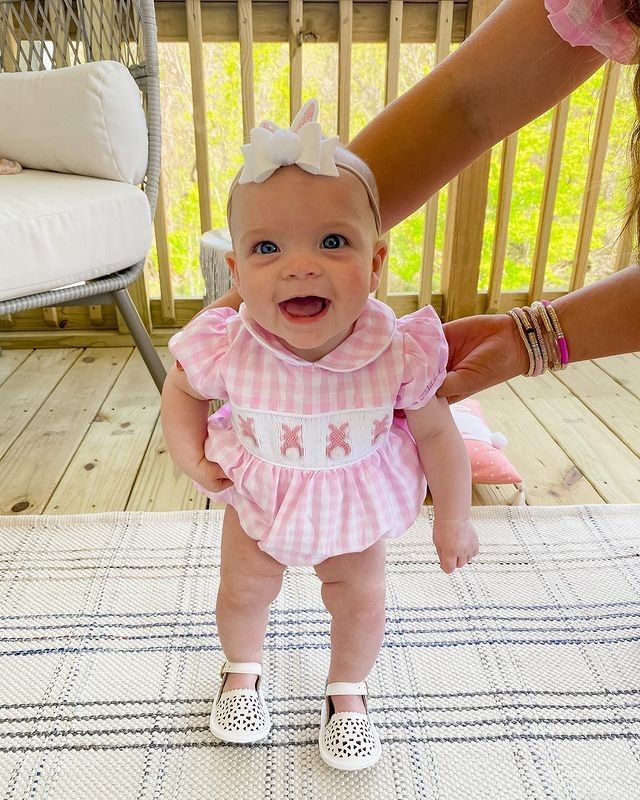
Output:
[[542, 335]]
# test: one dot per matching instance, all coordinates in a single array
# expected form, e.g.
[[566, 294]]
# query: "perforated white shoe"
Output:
[[240, 715], [348, 740]]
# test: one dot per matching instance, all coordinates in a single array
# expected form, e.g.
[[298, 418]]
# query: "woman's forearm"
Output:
[[602, 319], [509, 71], [230, 299]]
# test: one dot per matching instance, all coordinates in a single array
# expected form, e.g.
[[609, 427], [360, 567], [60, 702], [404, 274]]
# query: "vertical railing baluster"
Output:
[[345, 44], [549, 192], [167, 300], [194, 33], [465, 216], [391, 92], [245, 33], [505, 191], [444, 27], [594, 173], [295, 56]]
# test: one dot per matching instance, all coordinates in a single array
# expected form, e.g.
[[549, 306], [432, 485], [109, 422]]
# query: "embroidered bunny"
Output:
[[380, 427], [247, 428], [291, 446], [338, 440]]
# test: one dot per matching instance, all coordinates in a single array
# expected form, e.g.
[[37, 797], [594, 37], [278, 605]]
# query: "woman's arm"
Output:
[[602, 319], [446, 465], [230, 299], [509, 71]]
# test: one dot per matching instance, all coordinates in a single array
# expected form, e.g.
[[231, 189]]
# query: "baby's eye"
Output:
[[265, 248], [333, 241]]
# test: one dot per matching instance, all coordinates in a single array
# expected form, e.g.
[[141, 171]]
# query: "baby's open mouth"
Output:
[[304, 308]]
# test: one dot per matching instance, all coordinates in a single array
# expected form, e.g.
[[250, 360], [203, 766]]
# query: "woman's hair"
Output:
[[632, 11]]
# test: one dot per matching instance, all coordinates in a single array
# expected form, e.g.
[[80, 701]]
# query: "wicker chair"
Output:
[[47, 34]]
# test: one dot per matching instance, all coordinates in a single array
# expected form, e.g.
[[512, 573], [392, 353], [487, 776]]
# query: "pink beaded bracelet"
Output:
[[560, 337]]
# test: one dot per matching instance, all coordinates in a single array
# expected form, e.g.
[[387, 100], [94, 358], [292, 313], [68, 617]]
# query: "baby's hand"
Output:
[[456, 542], [210, 476]]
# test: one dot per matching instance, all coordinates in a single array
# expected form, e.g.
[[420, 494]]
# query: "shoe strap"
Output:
[[346, 688], [248, 667]]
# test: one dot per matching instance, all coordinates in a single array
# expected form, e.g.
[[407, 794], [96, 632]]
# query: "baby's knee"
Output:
[[248, 592], [363, 600]]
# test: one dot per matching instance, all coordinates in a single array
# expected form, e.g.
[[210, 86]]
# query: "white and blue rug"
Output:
[[515, 678]]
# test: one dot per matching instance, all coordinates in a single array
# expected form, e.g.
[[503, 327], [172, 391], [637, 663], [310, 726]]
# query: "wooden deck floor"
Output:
[[79, 433]]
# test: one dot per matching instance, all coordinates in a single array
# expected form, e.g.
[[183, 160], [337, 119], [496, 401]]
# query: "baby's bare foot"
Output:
[[348, 702], [239, 680]]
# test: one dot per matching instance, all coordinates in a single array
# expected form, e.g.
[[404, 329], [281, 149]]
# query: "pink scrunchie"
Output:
[[601, 24]]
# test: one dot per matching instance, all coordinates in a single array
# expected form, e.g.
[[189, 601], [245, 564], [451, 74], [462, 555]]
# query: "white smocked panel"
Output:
[[321, 441]]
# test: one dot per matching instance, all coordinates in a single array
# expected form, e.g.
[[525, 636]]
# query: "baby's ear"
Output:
[[380, 251], [232, 263]]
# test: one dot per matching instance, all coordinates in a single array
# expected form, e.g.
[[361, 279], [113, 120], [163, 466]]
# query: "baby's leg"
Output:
[[353, 591], [249, 581]]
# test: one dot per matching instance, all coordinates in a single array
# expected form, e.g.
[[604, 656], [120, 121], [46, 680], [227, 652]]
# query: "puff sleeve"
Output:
[[200, 348], [601, 24], [425, 358]]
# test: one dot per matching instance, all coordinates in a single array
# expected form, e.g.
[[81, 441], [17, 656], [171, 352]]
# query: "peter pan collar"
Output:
[[371, 336]]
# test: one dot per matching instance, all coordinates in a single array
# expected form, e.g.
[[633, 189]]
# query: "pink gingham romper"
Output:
[[600, 24], [318, 465]]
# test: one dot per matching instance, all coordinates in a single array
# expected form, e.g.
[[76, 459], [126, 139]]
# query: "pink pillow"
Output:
[[489, 464]]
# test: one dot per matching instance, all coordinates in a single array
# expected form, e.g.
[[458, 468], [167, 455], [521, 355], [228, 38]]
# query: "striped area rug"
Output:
[[516, 677]]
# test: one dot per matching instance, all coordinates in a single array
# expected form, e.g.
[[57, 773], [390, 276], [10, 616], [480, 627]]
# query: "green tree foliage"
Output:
[[320, 76]]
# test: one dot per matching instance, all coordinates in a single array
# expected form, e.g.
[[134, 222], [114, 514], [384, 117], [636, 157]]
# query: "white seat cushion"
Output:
[[58, 229]]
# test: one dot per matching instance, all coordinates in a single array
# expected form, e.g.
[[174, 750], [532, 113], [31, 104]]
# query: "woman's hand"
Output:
[[456, 543], [210, 476], [483, 350]]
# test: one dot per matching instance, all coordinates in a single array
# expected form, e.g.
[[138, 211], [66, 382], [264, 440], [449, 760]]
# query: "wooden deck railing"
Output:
[[345, 22]]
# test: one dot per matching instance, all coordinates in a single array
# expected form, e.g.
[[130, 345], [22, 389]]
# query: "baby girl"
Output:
[[306, 453]]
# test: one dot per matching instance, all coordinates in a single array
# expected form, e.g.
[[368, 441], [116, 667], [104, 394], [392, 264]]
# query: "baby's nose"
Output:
[[301, 266]]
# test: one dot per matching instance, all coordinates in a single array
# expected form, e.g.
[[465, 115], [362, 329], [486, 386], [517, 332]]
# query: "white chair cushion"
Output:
[[87, 119], [60, 229]]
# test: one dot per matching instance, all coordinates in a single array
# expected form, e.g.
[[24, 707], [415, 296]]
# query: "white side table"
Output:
[[217, 278]]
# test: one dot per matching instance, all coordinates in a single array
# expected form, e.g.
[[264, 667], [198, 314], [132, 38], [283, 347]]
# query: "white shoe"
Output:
[[348, 739], [240, 715]]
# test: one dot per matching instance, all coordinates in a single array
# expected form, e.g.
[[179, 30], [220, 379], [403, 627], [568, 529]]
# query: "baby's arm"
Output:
[[184, 415], [446, 465]]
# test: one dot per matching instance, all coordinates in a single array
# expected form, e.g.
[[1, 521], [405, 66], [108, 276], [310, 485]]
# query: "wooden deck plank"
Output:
[[550, 476], [10, 360], [104, 467], [36, 462], [552, 434], [494, 494], [625, 370], [616, 407], [158, 487], [28, 387], [599, 455]]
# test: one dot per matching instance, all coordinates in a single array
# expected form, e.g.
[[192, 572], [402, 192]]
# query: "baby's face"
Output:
[[306, 256]]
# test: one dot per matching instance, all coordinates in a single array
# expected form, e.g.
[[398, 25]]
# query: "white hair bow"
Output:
[[302, 144]]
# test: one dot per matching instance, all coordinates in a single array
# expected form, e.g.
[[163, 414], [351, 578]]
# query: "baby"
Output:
[[307, 454]]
